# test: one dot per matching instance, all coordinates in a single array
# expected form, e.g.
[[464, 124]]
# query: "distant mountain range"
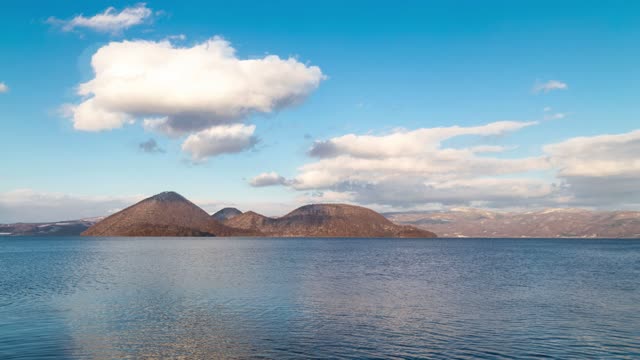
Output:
[[169, 214], [58, 228], [226, 214], [548, 223]]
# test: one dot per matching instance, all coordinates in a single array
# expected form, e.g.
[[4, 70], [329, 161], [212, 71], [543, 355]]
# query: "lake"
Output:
[[318, 298]]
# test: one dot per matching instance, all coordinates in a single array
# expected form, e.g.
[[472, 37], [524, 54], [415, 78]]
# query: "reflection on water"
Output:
[[292, 298]]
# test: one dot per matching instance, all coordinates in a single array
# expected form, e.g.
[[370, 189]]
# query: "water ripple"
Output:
[[318, 298]]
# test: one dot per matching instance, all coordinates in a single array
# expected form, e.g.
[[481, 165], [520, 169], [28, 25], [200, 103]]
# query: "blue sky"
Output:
[[392, 68]]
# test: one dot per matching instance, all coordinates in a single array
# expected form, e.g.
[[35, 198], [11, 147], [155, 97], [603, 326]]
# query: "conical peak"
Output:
[[226, 214], [168, 196]]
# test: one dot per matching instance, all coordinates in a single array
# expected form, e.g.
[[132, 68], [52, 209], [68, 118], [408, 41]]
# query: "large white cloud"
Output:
[[109, 21], [405, 168], [412, 168], [221, 139], [203, 90], [405, 154], [190, 88]]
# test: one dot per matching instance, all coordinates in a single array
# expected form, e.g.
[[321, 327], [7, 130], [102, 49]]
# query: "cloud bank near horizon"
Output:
[[407, 169], [27, 205], [411, 170], [598, 170]]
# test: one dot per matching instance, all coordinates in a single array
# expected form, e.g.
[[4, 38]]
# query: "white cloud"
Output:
[[27, 205], [3, 88], [600, 171], [405, 168], [191, 88], [89, 117], [402, 143], [200, 90], [160, 125], [550, 85], [598, 156], [109, 21], [221, 139], [411, 191], [408, 169], [267, 179]]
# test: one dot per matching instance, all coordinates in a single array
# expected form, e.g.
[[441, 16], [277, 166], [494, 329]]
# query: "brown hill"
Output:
[[165, 214], [252, 221], [226, 214], [327, 220]]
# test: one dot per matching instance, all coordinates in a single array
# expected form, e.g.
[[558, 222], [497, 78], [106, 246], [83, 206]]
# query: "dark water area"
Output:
[[108, 298]]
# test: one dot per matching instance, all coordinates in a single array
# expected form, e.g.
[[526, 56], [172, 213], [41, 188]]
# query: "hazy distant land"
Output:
[[170, 214], [546, 223]]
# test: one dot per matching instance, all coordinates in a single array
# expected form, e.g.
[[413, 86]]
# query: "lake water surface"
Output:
[[323, 298]]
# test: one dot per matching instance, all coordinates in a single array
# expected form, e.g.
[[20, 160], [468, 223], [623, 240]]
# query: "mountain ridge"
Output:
[[542, 223], [456, 222], [164, 214], [171, 214], [226, 213], [327, 220]]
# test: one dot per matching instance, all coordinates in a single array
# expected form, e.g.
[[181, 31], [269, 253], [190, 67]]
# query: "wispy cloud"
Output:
[[109, 21], [221, 139], [555, 116], [150, 146], [550, 85], [3, 88], [549, 114], [268, 179]]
